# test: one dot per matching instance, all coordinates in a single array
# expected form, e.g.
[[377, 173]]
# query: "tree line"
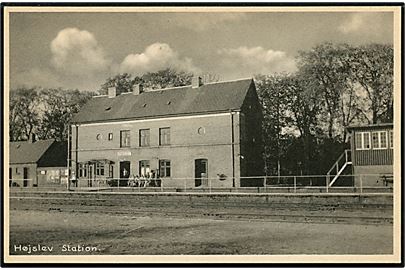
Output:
[[43, 112], [305, 112]]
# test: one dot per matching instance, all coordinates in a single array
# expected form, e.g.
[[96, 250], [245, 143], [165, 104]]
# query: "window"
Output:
[[362, 140], [110, 136], [375, 137], [380, 140], [144, 167], [100, 169], [201, 131], [144, 137], [164, 168], [99, 137], [111, 171], [391, 139], [164, 136], [82, 170], [125, 138]]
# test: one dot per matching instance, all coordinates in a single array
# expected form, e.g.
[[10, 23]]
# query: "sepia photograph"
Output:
[[148, 134]]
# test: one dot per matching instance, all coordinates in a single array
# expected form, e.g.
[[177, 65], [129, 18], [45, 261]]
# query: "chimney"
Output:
[[112, 92], [137, 89], [196, 82], [32, 138]]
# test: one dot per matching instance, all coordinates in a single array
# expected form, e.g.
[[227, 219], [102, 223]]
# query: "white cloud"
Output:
[[79, 61], [359, 22], [156, 56], [77, 52], [258, 60]]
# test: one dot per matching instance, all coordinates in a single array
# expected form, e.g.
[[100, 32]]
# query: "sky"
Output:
[[81, 50]]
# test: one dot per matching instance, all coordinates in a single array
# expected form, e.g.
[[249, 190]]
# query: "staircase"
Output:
[[338, 168]]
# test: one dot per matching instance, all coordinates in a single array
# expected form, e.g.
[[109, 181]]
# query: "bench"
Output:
[[387, 179]]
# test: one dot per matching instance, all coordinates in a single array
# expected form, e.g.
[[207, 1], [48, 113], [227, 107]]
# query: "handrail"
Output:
[[344, 154]]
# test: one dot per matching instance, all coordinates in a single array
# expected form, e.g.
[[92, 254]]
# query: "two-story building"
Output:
[[202, 131]]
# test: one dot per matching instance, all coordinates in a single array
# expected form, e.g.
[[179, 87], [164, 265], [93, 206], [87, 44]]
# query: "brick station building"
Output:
[[193, 132]]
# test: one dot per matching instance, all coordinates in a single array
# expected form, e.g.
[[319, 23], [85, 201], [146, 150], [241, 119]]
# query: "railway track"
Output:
[[281, 212]]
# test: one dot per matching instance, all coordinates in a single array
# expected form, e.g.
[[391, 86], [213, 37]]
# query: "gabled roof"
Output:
[[55, 156], [27, 152], [209, 98]]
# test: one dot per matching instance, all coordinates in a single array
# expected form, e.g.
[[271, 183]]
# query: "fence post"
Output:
[[264, 182], [361, 183], [118, 183], [295, 184], [327, 183], [161, 185], [209, 185]]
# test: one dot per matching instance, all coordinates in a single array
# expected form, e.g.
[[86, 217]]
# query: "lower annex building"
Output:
[[38, 163]]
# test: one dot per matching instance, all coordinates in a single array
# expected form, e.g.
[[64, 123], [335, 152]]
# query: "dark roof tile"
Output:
[[27, 152], [207, 98]]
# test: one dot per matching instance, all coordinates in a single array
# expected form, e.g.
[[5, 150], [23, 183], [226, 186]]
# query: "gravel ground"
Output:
[[101, 233]]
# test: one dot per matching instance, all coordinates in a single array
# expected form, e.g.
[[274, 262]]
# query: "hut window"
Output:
[[380, 140], [362, 140]]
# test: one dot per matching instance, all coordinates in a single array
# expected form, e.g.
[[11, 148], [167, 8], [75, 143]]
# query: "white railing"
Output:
[[340, 165], [365, 183]]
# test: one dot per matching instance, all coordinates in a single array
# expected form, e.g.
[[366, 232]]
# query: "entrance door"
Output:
[[25, 183], [201, 172], [125, 169]]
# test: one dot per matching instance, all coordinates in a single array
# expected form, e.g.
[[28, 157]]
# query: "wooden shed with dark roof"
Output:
[[196, 132], [37, 163]]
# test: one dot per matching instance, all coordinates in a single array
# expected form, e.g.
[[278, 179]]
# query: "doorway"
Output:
[[201, 172], [25, 183], [125, 169]]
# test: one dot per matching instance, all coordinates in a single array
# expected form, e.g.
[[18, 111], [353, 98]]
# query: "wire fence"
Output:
[[364, 183]]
